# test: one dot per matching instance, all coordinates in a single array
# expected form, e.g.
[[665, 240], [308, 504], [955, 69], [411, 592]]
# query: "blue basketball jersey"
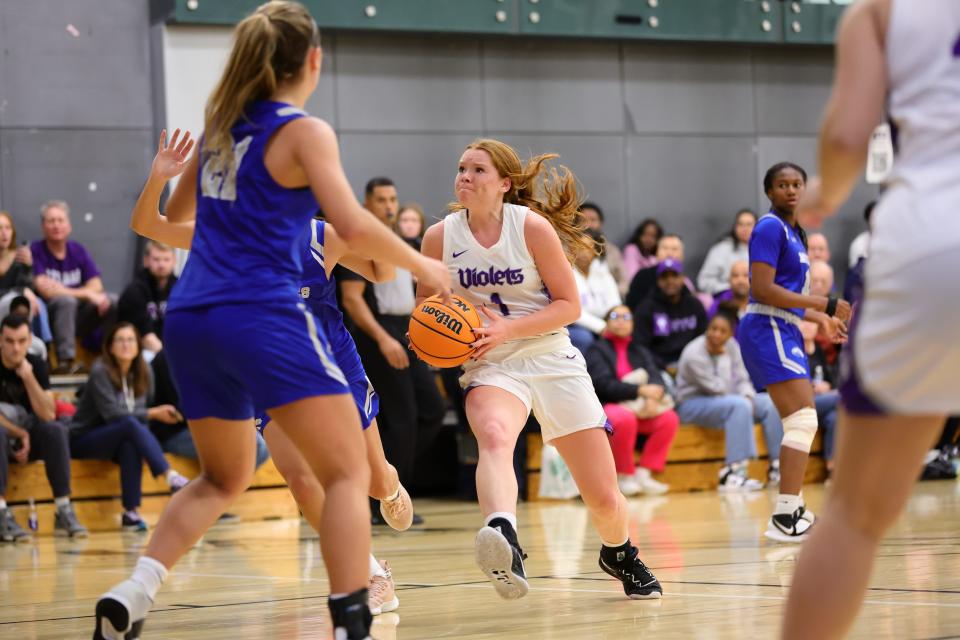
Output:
[[316, 288], [245, 247], [776, 243]]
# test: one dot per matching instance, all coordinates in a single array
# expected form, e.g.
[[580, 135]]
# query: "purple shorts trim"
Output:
[[853, 397], [608, 427]]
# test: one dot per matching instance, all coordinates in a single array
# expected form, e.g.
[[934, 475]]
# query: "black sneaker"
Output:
[[623, 564], [10, 531], [790, 527], [131, 521], [351, 616], [65, 523], [500, 557]]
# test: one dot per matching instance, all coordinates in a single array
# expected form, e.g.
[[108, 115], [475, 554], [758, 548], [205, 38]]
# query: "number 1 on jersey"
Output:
[[495, 298]]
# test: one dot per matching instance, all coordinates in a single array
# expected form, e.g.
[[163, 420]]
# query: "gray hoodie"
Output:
[[701, 374]]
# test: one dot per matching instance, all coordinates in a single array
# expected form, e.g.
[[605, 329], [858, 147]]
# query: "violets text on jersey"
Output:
[[492, 276]]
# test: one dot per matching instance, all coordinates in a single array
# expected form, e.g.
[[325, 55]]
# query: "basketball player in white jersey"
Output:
[[504, 251], [902, 371]]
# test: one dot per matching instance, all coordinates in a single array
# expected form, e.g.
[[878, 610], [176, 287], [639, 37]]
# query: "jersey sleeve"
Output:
[[767, 242]]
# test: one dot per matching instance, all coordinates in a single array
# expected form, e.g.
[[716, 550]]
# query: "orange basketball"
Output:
[[440, 334]]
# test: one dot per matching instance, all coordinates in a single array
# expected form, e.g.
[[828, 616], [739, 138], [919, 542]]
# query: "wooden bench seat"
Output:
[[95, 487], [694, 462]]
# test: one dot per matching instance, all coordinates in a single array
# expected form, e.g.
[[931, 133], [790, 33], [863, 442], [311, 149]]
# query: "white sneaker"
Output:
[[733, 479], [648, 485], [628, 485], [790, 527]]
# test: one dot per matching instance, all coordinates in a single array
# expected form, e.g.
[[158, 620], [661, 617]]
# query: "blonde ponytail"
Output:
[[269, 47]]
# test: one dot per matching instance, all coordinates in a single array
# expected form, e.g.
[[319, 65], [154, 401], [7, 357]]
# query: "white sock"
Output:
[[393, 496], [151, 574], [614, 546], [642, 473], [61, 502], [376, 569], [3, 504], [787, 503], [509, 517]]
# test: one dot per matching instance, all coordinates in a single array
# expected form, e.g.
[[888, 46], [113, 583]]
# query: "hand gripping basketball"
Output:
[[441, 334]]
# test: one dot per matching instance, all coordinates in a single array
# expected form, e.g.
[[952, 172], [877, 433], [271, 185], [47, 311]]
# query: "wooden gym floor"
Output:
[[722, 578]]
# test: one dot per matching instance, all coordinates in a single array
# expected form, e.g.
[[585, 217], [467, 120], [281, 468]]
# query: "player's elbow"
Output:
[[571, 311]]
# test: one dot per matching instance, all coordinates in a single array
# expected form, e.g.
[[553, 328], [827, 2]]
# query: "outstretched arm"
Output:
[[175, 228]]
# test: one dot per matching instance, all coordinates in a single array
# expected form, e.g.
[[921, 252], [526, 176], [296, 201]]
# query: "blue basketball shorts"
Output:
[[345, 353], [772, 350], [227, 360]]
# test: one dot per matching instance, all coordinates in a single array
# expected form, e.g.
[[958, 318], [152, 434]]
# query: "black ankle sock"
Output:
[[616, 554], [352, 614]]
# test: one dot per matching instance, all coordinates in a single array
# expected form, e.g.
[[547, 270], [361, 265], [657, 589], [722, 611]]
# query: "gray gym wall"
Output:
[[679, 132]]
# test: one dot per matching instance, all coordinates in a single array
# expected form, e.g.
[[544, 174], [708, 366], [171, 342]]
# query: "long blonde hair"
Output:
[[546, 191], [269, 47]]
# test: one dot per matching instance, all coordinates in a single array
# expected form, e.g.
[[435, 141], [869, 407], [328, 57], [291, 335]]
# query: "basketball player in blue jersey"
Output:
[[771, 342], [237, 334], [509, 246], [902, 367], [322, 250]]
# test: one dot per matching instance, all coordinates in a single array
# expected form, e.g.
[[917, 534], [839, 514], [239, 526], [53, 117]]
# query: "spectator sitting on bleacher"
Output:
[[714, 391], [818, 249], [641, 252], [593, 217], [175, 437], [144, 302], [30, 431], [714, 275], [68, 279], [20, 306], [645, 280], [613, 361], [738, 294], [112, 415], [598, 293], [670, 317], [16, 278]]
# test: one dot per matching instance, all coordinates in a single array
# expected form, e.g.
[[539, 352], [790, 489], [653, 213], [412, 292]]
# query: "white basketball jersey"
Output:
[[503, 277], [923, 65]]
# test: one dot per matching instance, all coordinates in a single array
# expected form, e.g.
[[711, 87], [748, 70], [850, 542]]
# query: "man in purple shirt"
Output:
[[68, 279]]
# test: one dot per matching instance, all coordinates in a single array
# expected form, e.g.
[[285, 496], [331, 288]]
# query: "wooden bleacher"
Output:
[[96, 493], [693, 464]]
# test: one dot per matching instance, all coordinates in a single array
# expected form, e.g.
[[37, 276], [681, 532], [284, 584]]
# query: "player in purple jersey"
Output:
[[771, 343], [901, 369], [236, 332]]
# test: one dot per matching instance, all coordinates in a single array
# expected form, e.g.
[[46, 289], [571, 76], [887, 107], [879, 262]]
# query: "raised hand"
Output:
[[171, 159]]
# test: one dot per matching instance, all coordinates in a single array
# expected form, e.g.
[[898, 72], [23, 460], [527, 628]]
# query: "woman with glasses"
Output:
[[628, 384], [112, 416]]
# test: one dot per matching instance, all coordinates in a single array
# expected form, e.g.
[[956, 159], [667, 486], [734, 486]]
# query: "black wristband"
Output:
[[831, 306]]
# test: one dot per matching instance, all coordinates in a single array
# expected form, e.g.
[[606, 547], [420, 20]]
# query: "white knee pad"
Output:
[[799, 429]]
